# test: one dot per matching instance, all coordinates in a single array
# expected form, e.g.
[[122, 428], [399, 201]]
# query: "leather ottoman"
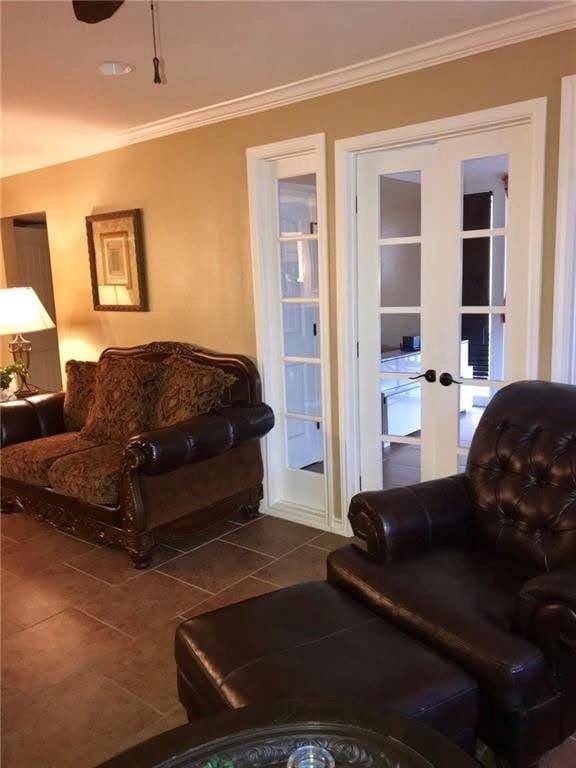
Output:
[[313, 641]]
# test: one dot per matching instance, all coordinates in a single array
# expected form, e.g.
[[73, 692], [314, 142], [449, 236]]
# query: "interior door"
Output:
[[297, 445], [491, 315], [442, 296]]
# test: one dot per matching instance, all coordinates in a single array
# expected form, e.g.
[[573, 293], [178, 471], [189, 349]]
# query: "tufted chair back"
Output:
[[522, 470]]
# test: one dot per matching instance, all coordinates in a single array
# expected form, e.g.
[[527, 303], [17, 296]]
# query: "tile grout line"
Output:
[[252, 574], [189, 584], [131, 693], [224, 589], [104, 623]]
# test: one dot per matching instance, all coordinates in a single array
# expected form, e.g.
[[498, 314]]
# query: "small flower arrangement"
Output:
[[8, 372]]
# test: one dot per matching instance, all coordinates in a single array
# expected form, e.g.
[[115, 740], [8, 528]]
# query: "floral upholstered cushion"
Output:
[[29, 462], [80, 382], [124, 399], [189, 389], [92, 476]]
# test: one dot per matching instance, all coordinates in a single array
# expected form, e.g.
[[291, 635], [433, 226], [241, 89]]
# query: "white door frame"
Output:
[[533, 113], [258, 161], [564, 335]]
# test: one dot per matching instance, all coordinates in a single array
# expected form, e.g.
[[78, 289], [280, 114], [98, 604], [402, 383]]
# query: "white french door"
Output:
[[443, 237], [288, 224]]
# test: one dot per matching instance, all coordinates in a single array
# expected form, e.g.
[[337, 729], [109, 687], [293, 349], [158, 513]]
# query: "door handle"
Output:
[[429, 375], [446, 379]]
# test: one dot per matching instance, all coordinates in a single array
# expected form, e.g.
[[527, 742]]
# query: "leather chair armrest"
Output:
[[400, 523], [29, 419], [197, 438], [546, 610]]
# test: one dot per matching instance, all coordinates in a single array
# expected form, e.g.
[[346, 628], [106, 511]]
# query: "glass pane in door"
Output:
[[400, 342], [400, 465], [484, 192], [400, 275], [483, 340], [305, 446], [473, 402], [400, 204], [462, 462], [303, 388], [401, 407], [297, 206], [484, 271], [299, 269], [301, 330]]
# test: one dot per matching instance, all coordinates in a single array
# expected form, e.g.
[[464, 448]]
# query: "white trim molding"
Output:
[[498, 34], [532, 113], [564, 335], [263, 232]]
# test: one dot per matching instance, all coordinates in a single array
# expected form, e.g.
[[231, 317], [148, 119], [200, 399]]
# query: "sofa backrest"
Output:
[[247, 390], [522, 470]]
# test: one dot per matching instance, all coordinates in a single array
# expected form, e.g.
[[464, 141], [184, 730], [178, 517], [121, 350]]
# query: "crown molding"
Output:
[[478, 40]]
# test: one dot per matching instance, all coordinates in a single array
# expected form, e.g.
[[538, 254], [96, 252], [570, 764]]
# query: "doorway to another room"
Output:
[[26, 255]]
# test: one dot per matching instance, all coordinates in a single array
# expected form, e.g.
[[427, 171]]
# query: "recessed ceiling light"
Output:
[[114, 68]]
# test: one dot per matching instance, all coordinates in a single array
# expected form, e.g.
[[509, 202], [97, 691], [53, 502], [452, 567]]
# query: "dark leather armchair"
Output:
[[482, 566]]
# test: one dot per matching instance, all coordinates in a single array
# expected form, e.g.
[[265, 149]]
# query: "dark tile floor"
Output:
[[87, 662], [87, 640]]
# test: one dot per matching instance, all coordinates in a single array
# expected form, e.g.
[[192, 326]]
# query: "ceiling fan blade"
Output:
[[93, 11]]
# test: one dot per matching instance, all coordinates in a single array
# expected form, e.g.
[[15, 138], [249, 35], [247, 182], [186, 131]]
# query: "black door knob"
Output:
[[429, 375], [446, 379]]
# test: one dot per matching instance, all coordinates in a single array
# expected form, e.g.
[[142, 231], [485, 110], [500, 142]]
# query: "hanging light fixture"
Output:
[[155, 60]]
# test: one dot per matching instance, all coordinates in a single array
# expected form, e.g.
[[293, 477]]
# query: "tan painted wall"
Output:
[[192, 189]]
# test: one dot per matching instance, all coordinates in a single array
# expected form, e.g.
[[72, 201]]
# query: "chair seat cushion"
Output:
[[30, 461], [92, 476], [462, 604], [313, 640]]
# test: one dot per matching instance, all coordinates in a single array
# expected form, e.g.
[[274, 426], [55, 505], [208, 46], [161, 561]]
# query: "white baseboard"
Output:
[[306, 516]]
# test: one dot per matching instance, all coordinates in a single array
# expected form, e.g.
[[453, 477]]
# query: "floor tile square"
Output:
[[15, 705], [331, 541], [21, 527], [243, 590], [115, 566], [145, 602], [184, 538], [146, 667], [34, 599], [84, 720], [271, 536], [39, 553], [216, 565], [55, 649], [306, 563]]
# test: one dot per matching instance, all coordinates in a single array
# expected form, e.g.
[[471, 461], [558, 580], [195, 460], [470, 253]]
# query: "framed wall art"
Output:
[[117, 270]]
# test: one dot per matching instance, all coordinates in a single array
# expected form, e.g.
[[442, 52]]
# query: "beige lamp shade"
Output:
[[21, 311]]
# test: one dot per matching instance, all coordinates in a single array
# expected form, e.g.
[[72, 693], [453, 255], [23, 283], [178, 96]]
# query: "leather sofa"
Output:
[[482, 567], [121, 493]]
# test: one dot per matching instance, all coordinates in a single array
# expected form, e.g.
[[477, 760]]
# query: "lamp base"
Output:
[[26, 390], [21, 349]]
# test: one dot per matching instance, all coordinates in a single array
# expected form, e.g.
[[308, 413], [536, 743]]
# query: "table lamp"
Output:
[[22, 311]]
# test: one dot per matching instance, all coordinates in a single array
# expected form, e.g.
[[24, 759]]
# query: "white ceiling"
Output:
[[55, 103]]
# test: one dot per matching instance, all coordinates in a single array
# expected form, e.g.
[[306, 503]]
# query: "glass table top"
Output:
[[334, 747]]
